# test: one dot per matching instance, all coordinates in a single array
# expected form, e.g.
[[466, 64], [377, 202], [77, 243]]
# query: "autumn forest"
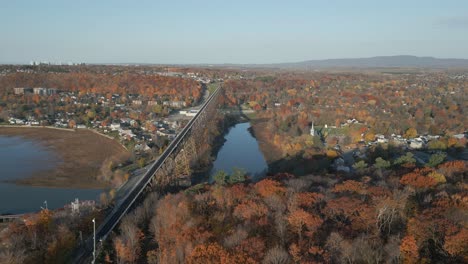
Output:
[[364, 166]]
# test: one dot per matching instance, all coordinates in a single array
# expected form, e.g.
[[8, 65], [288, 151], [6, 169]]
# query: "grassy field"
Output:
[[212, 87], [82, 153]]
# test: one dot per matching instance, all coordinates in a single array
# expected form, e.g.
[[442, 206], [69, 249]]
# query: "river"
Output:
[[240, 150], [20, 158]]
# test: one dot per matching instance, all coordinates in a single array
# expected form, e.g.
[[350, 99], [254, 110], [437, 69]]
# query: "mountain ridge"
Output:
[[379, 62]]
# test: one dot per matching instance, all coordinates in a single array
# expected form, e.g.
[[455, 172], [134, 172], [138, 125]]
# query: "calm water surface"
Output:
[[240, 151], [20, 158]]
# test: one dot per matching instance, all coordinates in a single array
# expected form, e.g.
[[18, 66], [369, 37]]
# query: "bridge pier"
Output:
[[172, 167], [185, 155]]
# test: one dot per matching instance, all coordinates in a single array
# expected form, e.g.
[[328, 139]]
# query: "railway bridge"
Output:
[[172, 167]]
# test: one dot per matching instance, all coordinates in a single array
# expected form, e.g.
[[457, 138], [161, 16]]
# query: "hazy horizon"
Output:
[[241, 32], [215, 64]]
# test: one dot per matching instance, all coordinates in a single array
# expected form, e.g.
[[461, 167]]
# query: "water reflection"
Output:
[[20, 158], [240, 150]]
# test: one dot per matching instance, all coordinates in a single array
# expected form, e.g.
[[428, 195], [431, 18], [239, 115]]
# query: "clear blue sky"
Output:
[[216, 31]]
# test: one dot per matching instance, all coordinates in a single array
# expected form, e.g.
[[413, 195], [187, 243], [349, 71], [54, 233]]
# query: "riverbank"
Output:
[[82, 153], [260, 132], [201, 174]]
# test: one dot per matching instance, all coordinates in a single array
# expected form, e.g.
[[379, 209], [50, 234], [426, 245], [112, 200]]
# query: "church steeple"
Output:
[[312, 130]]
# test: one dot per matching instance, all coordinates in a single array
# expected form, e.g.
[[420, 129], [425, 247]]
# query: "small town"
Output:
[[234, 132], [141, 124]]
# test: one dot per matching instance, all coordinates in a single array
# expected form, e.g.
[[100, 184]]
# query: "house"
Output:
[[51, 91], [133, 123], [81, 126], [191, 113], [173, 124], [16, 121], [152, 103], [175, 104], [137, 102], [416, 143], [125, 120], [126, 132], [381, 138], [115, 126], [142, 147], [61, 124], [32, 123], [44, 91], [352, 121], [40, 91], [22, 90]]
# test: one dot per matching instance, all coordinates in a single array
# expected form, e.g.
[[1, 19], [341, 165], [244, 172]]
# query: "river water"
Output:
[[240, 150], [20, 158]]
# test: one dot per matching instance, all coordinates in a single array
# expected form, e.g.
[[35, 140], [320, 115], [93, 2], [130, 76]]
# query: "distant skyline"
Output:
[[242, 32]]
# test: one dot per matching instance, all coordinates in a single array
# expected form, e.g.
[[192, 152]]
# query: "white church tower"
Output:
[[312, 130]]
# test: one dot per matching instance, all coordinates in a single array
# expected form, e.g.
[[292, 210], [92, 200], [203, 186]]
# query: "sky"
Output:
[[216, 31]]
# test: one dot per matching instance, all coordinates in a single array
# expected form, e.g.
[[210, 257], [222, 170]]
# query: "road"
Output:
[[124, 190], [85, 254], [176, 116]]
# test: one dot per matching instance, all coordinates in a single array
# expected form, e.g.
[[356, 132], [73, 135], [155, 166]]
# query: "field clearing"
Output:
[[82, 153]]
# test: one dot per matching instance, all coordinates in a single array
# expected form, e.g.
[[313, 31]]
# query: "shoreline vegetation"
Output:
[[81, 154], [269, 151]]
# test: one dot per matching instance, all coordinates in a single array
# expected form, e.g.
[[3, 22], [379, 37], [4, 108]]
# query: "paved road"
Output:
[[124, 190], [176, 116]]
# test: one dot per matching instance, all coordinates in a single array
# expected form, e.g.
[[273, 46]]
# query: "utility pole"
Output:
[[94, 240]]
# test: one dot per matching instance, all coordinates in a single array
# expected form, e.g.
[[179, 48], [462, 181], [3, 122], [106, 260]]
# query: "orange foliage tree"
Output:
[[409, 249]]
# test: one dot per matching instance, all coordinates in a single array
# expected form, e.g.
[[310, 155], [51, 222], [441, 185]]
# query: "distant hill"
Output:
[[378, 62]]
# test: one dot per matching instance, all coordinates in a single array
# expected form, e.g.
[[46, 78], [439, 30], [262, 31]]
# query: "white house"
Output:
[[192, 113], [126, 132], [115, 126], [40, 91], [416, 144], [142, 147], [137, 102]]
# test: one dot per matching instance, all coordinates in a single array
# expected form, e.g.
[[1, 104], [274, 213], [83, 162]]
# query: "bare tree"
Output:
[[130, 236], [275, 203], [277, 255], [10, 256], [299, 184], [368, 250], [238, 236], [340, 249], [391, 210], [281, 227], [392, 250]]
